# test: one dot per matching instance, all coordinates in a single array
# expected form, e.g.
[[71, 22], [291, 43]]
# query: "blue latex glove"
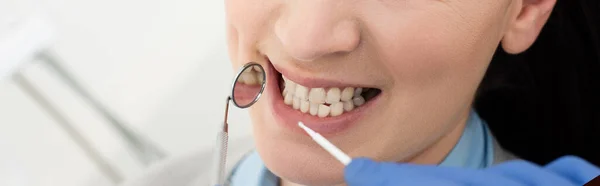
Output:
[[567, 171]]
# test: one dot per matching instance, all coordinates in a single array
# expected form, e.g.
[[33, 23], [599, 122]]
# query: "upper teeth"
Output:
[[252, 76], [321, 102]]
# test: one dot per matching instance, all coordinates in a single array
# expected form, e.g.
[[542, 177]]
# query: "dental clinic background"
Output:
[[160, 66]]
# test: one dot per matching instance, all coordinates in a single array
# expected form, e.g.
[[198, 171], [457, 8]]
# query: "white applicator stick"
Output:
[[332, 149]]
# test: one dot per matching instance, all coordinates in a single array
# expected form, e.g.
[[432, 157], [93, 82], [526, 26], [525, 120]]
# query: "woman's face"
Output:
[[418, 63]]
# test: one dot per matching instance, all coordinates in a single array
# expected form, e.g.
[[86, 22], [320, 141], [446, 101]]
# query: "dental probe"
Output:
[[328, 146]]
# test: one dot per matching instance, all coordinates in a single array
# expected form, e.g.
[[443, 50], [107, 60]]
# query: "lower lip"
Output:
[[289, 117]]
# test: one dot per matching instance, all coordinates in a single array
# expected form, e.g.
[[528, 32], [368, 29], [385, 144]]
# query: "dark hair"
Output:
[[545, 103]]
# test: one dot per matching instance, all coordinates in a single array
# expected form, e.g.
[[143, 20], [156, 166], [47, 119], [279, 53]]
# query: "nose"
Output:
[[309, 29]]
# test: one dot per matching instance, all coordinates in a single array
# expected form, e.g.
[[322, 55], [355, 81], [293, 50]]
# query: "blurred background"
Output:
[[158, 67]]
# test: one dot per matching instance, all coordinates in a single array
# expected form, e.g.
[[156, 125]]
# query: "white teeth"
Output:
[[304, 106], [290, 86], [314, 109], [251, 76], [348, 106], [256, 68], [358, 101], [323, 111], [260, 77], [289, 99], [337, 109], [317, 95], [347, 94], [248, 78], [317, 101], [301, 92], [296, 103], [357, 92], [333, 95]]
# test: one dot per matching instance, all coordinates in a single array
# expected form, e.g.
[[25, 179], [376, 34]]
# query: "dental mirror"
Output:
[[248, 85]]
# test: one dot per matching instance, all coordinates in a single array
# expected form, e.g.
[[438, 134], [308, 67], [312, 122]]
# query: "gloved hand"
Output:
[[565, 171]]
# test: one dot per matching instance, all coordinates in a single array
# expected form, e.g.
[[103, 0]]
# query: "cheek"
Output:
[[436, 63], [245, 28], [232, 44], [430, 44], [437, 51]]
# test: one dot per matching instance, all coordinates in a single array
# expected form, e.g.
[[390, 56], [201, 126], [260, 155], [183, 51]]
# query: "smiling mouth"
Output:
[[324, 101]]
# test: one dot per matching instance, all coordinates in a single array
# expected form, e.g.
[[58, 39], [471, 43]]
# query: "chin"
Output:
[[299, 163], [292, 156]]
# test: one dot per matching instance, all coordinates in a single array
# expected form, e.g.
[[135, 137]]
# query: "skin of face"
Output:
[[427, 56]]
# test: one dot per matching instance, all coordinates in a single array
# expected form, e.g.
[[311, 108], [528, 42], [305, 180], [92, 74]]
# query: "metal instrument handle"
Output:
[[219, 159]]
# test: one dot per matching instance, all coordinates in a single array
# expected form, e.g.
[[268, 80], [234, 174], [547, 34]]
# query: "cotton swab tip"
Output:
[[328, 146], [308, 130]]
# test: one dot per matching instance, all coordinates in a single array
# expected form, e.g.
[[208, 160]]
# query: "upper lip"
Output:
[[311, 82]]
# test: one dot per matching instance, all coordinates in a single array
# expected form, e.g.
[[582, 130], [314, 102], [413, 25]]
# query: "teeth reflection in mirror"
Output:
[[256, 68], [358, 101], [242, 77], [314, 109], [304, 106], [333, 95], [348, 105], [337, 109], [323, 111], [249, 78], [347, 94], [317, 95], [260, 77]]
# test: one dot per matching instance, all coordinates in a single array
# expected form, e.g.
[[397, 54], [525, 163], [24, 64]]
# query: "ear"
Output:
[[526, 24]]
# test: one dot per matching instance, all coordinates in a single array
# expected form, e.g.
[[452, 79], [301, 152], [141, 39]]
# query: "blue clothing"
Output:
[[475, 149]]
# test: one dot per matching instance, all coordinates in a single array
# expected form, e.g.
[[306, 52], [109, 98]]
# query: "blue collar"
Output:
[[473, 150]]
